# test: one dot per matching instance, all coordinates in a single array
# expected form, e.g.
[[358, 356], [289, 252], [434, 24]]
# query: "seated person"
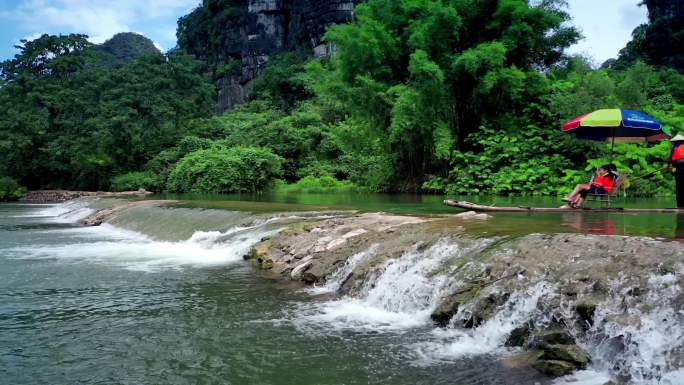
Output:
[[602, 184]]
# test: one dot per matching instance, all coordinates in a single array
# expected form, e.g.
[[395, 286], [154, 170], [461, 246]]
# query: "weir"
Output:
[[458, 295]]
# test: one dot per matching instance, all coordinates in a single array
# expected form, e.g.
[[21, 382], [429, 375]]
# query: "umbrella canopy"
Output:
[[625, 126]]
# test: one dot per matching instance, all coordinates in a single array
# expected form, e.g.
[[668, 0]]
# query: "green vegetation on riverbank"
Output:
[[443, 96]]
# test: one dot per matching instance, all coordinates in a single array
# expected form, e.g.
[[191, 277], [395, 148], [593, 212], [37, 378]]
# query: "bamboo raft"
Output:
[[526, 209]]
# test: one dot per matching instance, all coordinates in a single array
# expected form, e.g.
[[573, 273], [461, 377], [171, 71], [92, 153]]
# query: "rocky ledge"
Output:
[[591, 285], [59, 196], [105, 214]]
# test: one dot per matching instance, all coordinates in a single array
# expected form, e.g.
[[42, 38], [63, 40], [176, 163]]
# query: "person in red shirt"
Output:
[[676, 160], [603, 184]]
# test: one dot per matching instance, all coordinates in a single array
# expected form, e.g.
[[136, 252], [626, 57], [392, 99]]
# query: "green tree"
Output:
[[428, 73], [72, 120], [225, 170]]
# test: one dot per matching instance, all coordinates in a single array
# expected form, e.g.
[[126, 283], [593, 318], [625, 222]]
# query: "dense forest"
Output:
[[439, 96]]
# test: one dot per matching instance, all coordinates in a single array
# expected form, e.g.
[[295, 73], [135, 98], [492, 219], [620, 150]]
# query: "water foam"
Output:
[[402, 297], [337, 278], [68, 212], [134, 251], [584, 377], [643, 343], [454, 343]]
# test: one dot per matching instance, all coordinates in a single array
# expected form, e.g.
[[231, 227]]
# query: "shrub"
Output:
[[225, 170], [164, 162], [324, 184], [135, 181], [10, 190]]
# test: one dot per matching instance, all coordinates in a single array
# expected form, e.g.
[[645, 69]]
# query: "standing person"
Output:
[[677, 161]]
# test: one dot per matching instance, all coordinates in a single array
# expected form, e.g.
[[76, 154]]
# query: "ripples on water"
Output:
[[105, 305]]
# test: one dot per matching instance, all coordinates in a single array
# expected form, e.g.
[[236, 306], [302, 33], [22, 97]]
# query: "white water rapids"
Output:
[[115, 246], [403, 293], [644, 344]]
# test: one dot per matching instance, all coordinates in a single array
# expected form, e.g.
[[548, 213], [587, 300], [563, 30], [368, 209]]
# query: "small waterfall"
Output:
[[454, 342], [641, 340], [135, 250], [402, 296], [337, 278], [68, 212]]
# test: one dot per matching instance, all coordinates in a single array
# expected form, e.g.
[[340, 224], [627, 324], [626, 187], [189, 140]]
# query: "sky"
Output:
[[606, 24]]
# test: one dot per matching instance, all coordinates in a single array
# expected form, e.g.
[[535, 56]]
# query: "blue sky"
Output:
[[606, 24]]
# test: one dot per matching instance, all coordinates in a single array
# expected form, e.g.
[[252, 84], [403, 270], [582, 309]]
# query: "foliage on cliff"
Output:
[[213, 33], [659, 42], [447, 96], [69, 121], [126, 47]]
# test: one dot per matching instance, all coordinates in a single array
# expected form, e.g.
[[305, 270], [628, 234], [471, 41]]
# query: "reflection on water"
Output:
[[665, 225], [586, 224], [679, 228]]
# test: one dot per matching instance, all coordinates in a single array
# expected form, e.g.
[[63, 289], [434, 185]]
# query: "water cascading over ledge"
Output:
[[606, 307]]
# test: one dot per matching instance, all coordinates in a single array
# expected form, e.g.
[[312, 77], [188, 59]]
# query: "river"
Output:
[[170, 300]]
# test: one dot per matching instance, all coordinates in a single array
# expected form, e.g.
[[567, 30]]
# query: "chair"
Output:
[[606, 200]]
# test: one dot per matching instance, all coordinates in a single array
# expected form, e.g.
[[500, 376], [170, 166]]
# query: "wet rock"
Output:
[[556, 336], [449, 307], [260, 250], [335, 244], [585, 310], [304, 263], [103, 215], [569, 353], [554, 368], [58, 196], [519, 336], [445, 311], [309, 278], [486, 307], [354, 233], [521, 360], [473, 215]]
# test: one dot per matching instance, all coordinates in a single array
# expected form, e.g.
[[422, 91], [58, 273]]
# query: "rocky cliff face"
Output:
[[254, 31], [664, 9]]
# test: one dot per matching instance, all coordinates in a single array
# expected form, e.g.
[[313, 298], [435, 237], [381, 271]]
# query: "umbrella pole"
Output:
[[612, 147]]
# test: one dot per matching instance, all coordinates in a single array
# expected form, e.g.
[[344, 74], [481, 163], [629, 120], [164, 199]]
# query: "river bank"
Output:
[[60, 196], [555, 302]]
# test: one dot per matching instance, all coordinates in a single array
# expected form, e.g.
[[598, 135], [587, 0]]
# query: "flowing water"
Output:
[[164, 296]]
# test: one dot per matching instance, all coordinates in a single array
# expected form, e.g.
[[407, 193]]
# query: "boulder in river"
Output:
[[554, 368]]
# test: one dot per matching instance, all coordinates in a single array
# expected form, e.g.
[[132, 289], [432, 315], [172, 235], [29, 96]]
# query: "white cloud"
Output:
[[606, 24], [97, 19]]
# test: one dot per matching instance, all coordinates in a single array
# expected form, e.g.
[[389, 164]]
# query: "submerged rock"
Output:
[[106, 214], [556, 336], [569, 353], [473, 215], [554, 368], [519, 336], [445, 311], [586, 310]]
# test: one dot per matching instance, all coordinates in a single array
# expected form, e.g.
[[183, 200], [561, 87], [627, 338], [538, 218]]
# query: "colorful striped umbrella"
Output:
[[624, 126]]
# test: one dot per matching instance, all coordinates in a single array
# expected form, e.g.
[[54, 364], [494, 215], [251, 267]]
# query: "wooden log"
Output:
[[524, 209]]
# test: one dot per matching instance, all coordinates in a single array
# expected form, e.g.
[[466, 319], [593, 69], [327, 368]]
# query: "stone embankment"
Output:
[[562, 301], [59, 196], [103, 215], [586, 274]]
